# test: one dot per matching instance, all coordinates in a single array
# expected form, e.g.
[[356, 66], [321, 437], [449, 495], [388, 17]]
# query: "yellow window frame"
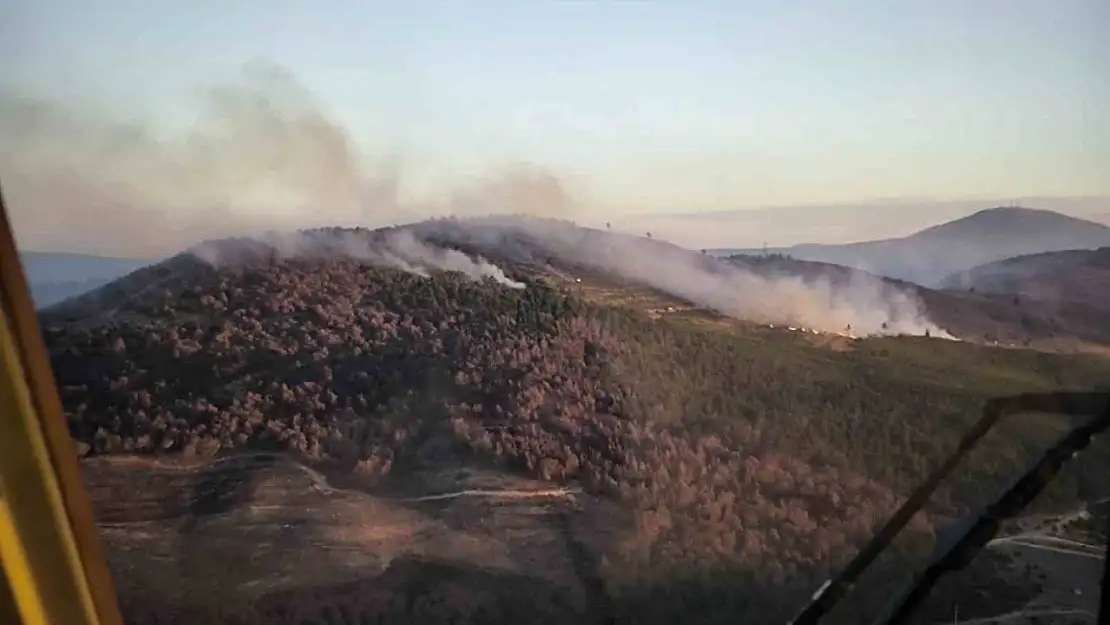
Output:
[[54, 570]]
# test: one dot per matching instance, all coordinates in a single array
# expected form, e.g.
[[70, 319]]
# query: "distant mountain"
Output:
[[55, 276], [834, 223], [1074, 276], [929, 256]]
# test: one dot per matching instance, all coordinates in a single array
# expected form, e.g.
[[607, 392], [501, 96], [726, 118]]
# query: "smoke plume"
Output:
[[396, 248], [867, 304], [414, 253], [263, 155]]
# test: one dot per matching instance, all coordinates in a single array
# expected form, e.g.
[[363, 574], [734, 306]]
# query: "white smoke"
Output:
[[398, 249], [405, 245], [260, 154], [867, 304], [264, 155]]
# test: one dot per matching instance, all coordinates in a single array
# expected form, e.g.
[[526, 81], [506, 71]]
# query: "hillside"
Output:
[[1071, 277], [928, 256], [55, 276], [683, 466], [1067, 317]]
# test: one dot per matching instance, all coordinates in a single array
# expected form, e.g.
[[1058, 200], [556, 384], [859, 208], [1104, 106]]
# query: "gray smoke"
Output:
[[415, 253], [263, 155], [864, 303], [399, 249]]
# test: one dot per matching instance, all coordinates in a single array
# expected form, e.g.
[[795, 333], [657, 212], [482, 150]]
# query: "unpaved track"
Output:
[[176, 475], [168, 523], [1073, 570], [1025, 615]]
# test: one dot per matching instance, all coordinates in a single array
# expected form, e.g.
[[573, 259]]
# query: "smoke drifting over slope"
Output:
[[261, 155], [865, 305], [396, 248]]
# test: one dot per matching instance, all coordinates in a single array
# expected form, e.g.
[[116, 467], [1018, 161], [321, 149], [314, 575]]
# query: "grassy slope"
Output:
[[915, 395]]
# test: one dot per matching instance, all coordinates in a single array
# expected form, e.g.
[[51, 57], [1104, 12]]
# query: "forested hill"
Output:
[[1074, 277], [928, 256], [748, 461]]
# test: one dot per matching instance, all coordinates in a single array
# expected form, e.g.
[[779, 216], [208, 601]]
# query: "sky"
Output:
[[644, 107]]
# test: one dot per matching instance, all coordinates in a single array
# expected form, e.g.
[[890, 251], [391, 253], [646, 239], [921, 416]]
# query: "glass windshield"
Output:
[[563, 312]]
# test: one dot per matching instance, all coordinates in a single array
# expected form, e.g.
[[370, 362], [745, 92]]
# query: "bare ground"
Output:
[[238, 529]]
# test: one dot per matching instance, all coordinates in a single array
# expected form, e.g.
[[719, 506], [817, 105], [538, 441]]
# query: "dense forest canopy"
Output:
[[751, 463]]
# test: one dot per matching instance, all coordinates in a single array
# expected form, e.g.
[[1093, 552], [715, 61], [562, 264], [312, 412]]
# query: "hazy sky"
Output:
[[658, 106]]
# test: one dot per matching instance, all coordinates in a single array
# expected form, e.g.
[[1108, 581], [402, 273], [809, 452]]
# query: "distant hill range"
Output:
[[930, 256], [55, 276], [1076, 276]]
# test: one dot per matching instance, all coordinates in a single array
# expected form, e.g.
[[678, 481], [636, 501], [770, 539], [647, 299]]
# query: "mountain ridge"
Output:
[[1071, 276], [929, 255], [56, 276], [776, 290]]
